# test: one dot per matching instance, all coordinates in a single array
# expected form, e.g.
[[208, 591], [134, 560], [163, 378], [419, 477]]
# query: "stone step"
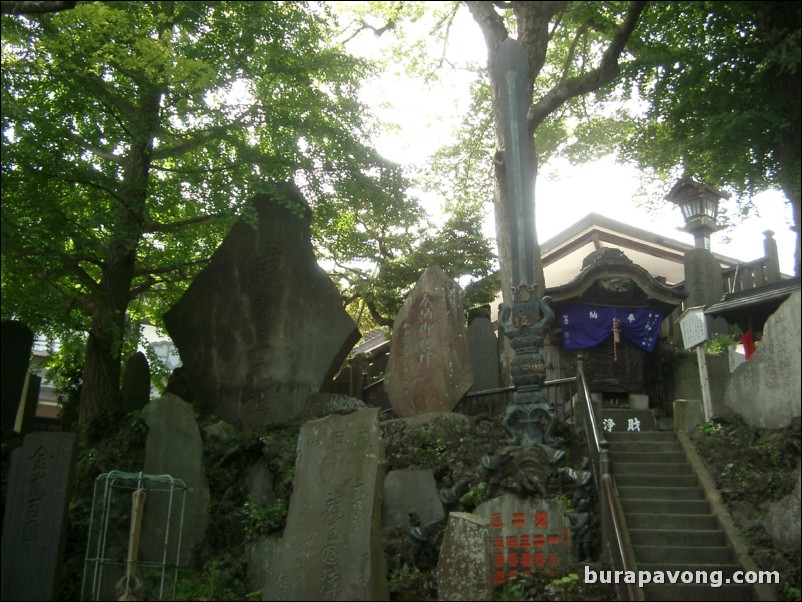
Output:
[[645, 446], [641, 436], [661, 493], [657, 554], [682, 592], [704, 522], [646, 457], [648, 468], [727, 569], [656, 480], [687, 536], [660, 507]]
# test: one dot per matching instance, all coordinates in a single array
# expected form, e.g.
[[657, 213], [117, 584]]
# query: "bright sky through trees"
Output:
[[425, 114]]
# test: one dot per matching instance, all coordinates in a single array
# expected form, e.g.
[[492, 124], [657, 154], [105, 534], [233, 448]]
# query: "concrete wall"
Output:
[[766, 390], [684, 382]]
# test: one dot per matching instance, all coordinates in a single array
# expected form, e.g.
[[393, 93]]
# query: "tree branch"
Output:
[[606, 72]]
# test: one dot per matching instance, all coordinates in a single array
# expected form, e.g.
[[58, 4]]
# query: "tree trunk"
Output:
[[100, 389]]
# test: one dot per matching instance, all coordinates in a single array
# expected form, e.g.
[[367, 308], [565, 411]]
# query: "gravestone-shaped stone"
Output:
[[135, 389], [483, 347], [410, 490], [332, 548], [262, 326], [527, 536], [465, 564], [430, 367], [174, 447], [35, 523], [16, 340]]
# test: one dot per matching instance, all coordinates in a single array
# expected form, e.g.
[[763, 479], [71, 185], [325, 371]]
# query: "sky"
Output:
[[564, 193]]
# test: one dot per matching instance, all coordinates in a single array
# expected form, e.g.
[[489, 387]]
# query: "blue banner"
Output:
[[585, 325]]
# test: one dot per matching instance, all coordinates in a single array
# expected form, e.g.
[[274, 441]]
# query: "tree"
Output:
[[134, 132], [722, 81], [587, 39]]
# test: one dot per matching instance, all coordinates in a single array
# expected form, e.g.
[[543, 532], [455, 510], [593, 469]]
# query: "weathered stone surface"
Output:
[[464, 568], [766, 389], [483, 347], [261, 555], [135, 389], [174, 448], [331, 548], [262, 326], [430, 367], [320, 405], [527, 536], [410, 490], [35, 522], [783, 518], [16, 340]]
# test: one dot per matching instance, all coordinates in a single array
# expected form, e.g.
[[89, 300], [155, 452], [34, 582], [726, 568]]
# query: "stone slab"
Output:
[[174, 447], [430, 367], [465, 564], [626, 420], [527, 536], [410, 490], [35, 522], [262, 326], [331, 548], [483, 347], [17, 341], [135, 388]]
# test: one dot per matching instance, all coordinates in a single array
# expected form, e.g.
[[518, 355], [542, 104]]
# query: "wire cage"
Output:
[[134, 542]]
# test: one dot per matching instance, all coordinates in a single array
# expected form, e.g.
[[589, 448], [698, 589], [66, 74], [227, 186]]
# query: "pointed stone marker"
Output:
[[430, 367]]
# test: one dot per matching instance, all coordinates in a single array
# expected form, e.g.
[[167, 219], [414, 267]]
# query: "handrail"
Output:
[[613, 530]]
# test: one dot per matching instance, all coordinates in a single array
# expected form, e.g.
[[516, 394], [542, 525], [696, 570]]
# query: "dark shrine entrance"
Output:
[[612, 314]]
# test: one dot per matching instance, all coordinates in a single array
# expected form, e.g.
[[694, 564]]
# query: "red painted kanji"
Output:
[[541, 519]]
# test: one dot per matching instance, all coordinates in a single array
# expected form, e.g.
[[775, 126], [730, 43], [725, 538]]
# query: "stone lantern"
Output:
[[704, 281], [699, 205]]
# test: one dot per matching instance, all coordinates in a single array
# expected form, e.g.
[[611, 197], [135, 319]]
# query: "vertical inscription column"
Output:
[[35, 523], [331, 549]]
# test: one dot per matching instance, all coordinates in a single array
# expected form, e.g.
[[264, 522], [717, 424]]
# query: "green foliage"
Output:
[[514, 589], [722, 82], [711, 427], [719, 344], [260, 521], [213, 582], [791, 592], [475, 495], [567, 583]]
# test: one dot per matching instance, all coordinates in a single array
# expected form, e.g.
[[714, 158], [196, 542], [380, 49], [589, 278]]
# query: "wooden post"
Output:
[[706, 398]]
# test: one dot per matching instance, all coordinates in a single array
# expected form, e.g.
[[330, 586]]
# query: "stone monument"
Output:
[[430, 367], [262, 326], [332, 548], [35, 522], [527, 536]]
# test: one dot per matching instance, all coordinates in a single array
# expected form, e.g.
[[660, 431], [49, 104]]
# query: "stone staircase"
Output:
[[669, 520]]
